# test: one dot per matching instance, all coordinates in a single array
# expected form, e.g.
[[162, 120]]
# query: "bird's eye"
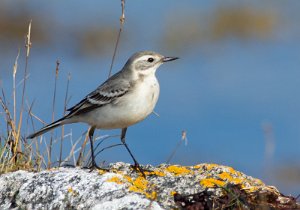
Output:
[[150, 60]]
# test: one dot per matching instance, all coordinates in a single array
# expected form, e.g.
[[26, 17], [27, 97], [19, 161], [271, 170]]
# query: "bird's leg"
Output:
[[91, 135], [123, 134], [136, 164]]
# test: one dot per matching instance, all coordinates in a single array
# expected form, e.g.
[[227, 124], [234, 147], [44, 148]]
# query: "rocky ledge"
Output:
[[203, 186]]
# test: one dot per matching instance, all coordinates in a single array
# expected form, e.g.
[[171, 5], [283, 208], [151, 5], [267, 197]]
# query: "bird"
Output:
[[124, 99]]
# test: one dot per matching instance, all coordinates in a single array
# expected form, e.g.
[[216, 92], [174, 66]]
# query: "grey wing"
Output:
[[113, 88]]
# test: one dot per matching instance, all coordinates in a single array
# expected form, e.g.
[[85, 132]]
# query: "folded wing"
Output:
[[107, 92]]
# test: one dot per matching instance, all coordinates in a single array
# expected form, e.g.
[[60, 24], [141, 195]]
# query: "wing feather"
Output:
[[113, 88]]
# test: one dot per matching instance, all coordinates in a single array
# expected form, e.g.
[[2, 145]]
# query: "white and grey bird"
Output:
[[126, 98]]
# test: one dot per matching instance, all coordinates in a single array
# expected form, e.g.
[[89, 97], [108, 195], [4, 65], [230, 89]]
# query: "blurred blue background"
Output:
[[235, 90]]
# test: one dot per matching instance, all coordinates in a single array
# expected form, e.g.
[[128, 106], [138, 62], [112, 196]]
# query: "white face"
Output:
[[147, 64]]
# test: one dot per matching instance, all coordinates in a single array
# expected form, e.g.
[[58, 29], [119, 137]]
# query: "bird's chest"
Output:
[[141, 100], [145, 96]]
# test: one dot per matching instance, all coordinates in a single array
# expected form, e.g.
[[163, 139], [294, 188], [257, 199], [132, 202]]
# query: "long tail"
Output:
[[47, 128]]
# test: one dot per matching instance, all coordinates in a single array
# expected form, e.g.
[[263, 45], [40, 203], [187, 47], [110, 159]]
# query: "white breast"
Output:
[[129, 109], [144, 98]]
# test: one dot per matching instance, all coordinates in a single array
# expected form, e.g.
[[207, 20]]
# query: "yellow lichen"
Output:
[[128, 178], [141, 185], [210, 166], [138, 185], [236, 181], [101, 171], [178, 170], [210, 182], [225, 176], [251, 189], [172, 193], [198, 166], [152, 195], [258, 181], [231, 170], [229, 178], [70, 190], [155, 172], [115, 179]]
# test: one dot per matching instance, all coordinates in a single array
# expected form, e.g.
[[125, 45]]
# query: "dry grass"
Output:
[[15, 151]]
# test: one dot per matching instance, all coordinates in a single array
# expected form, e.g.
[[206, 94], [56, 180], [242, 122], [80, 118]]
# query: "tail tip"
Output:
[[31, 136]]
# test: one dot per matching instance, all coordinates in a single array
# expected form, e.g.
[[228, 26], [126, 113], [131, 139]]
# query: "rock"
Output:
[[203, 186]]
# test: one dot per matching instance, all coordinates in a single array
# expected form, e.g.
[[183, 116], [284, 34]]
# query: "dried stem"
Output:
[[15, 68], [27, 47], [80, 156], [53, 111], [122, 21], [183, 138], [65, 110]]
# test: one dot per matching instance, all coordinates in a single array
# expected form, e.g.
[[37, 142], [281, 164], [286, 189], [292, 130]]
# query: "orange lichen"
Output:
[[251, 189], [236, 181], [152, 195], [138, 185], [198, 166], [155, 172], [101, 171], [172, 193], [231, 170], [70, 190], [229, 178], [225, 176], [178, 170], [141, 185], [210, 166], [116, 180], [210, 182], [128, 178]]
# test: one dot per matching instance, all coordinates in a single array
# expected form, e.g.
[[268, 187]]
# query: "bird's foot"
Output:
[[138, 169], [68, 165], [94, 166]]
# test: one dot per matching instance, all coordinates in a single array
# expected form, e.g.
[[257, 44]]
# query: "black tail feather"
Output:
[[47, 128]]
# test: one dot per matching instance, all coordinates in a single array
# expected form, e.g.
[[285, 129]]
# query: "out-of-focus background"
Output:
[[235, 90]]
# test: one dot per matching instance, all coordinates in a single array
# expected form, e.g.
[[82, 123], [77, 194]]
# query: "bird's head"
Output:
[[146, 62]]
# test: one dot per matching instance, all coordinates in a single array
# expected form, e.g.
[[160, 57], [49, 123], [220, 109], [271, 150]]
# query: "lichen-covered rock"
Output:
[[202, 186]]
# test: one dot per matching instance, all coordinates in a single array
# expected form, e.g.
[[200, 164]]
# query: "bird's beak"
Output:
[[167, 59]]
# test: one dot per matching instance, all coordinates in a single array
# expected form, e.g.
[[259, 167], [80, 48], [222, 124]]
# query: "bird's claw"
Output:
[[138, 169], [94, 166]]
